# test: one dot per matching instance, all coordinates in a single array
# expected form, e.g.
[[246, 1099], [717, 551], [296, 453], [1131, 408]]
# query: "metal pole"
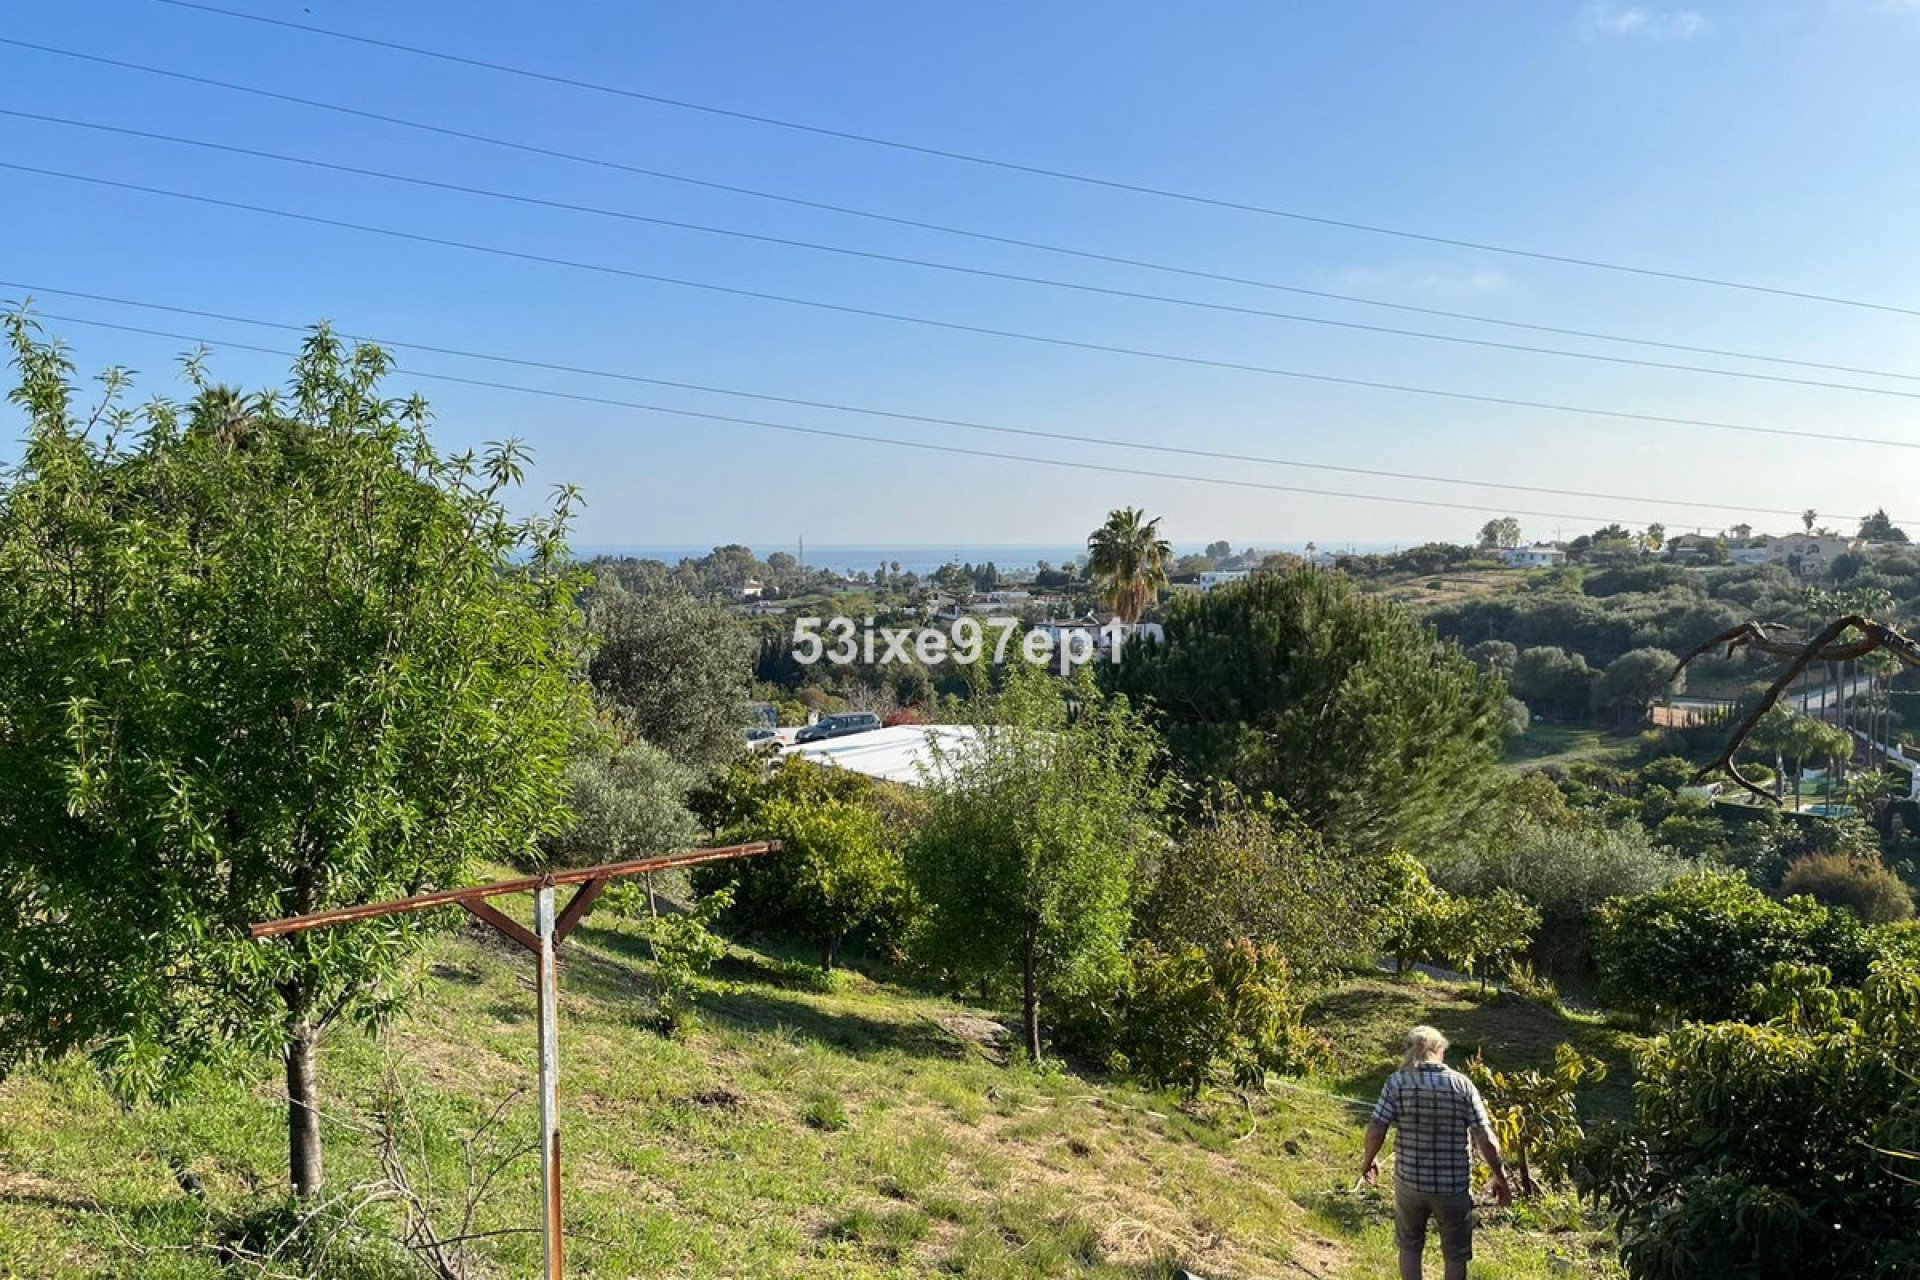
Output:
[[547, 987]]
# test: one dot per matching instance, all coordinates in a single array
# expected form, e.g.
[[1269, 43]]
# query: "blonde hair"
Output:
[[1424, 1044]]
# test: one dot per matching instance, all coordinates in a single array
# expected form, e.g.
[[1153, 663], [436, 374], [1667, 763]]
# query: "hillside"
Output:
[[855, 1131], [859, 1131]]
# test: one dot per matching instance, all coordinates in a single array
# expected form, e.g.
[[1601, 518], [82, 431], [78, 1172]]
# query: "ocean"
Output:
[[924, 558]]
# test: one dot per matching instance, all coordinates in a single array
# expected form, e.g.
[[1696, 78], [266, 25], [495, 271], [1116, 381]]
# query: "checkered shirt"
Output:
[[1435, 1108]]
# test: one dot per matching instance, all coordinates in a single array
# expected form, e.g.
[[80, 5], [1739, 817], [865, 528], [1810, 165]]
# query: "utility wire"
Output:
[[932, 265], [999, 428], [957, 326], [862, 438], [1013, 166], [573, 157]]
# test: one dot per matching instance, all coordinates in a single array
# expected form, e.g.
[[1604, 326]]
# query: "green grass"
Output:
[[1545, 744], [796, 1130]]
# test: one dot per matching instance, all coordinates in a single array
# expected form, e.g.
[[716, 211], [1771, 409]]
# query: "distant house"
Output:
[[751, 589], [763, 609], [1810, 555], [1213, 579], [1537, 556]]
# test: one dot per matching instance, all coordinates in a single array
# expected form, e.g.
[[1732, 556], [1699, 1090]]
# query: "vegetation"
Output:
[[1128, 559], [1029, 855], [1296, 685], [264, 656]]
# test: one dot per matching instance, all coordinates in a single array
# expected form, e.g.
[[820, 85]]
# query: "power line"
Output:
[[970, 425], [957, 326], [602, 162], [1111, 184], [933, 265], [862, 438]]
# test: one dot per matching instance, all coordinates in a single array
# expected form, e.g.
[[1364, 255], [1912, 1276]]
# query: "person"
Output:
[[1438, 1112]]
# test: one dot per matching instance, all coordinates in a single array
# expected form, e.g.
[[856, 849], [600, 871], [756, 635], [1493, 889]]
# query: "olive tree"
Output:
[[259, 656]]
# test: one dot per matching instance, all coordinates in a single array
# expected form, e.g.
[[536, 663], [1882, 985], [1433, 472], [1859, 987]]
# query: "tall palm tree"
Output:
[[1128, 560]]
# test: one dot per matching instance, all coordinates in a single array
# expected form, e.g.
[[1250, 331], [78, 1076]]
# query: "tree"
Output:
[[1342, 704], [841, 866], [1655, 536], [267, 656], [1879, 527], [1034, 833], [1495, 657], [1867, 887], [1503, 532], [1548, 678], [1635, 679], [1220, 550], [1776, 1151], [1248, 870], [1807, 518], [675, 671], [1128, 560], [628, 801], [1789, 736]]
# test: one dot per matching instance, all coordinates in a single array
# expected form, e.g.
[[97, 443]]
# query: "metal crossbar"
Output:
[[548, 932]]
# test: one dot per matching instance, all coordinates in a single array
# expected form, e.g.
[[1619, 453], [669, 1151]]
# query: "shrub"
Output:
[[1193, 1014], [1770, 1151], [684, 948], [1248, 870], [1535, 1113], [1865, 886], [1479, 935], [1696, 948]]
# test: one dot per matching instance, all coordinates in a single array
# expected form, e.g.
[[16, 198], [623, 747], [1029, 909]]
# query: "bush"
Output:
[[1767, 1152], [1248, 870], [684, 948], [1865, 886], [1478, 935], [1191, 1015], [628, 801], [1536, 1116], [1698, 947]]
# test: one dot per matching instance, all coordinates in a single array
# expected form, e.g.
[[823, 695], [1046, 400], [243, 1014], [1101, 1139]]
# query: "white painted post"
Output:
[[547, 987]]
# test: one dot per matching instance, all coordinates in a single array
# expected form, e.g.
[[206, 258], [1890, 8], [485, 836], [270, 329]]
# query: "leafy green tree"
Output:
[[1034, 833], [1636, 679], [1549, 679], [1786, 736], [1191, 1013], [1343, 705], [1698, 947], [260, 657], [1536, 1114], [1879, 527], [628, 801], [676, 671], [1248, 870], [1128, 560], [1772, 1152], [1495, 657], [1503, 532], [841, 867]]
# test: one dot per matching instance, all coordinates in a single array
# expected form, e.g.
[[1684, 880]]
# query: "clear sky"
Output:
[[1770, 141]]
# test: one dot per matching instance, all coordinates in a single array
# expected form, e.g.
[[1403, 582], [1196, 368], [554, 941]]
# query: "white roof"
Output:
[[898, 754]]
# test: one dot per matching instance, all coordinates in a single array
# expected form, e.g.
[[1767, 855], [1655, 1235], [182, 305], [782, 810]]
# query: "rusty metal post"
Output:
[[547, 988]]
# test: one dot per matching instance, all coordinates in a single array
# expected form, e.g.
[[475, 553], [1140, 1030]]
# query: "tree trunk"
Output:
[[830, 952], [303, 1108], [1030, 984]]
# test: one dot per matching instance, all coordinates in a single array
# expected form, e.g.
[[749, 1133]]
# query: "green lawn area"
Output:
[[856, 1131], [1544, 744]]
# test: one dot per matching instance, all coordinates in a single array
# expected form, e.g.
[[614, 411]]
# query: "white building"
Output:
[[1813, 553], [1214, 578], [1537, 556]]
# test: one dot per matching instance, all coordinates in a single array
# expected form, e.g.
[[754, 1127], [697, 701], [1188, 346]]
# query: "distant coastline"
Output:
[[924, 558]]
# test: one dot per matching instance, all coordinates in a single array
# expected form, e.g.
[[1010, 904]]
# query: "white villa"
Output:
[[1537, 556]]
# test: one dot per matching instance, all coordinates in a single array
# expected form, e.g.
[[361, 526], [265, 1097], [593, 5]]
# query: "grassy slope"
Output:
[[794, 1132]]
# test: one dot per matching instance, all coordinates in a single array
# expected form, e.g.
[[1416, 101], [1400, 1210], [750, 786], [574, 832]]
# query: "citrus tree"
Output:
[[259, 656]]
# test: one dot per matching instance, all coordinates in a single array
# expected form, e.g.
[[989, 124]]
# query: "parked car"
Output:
[[838, 726], [760, 734]]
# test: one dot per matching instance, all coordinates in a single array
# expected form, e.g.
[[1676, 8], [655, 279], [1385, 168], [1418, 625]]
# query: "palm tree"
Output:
[[1807, 518], [1128, 560]]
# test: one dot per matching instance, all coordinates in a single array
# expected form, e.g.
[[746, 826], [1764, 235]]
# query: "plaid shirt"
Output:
[[1436, 1108]]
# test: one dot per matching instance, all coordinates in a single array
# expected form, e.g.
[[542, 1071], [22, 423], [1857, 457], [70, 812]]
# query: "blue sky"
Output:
[[1759, 141]]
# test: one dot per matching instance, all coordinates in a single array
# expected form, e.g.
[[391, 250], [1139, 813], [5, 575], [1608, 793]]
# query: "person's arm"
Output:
[[1385, 1112], [1370, 1155], [1489, 1147]]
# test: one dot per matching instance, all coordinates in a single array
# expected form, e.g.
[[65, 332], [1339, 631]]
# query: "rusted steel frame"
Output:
[[484, 910], [523, 884], [577, 909]]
